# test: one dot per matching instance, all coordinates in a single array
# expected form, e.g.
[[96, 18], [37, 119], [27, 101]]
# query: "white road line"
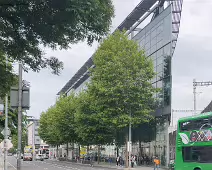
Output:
[[12, 165]]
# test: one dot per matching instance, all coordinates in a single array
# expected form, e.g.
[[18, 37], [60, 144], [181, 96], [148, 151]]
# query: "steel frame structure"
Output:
[[195, 85]]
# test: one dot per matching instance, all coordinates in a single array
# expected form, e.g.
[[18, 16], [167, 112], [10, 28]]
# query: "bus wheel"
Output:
[[197, 169]]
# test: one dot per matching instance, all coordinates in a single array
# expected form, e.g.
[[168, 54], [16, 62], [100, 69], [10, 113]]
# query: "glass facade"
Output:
[[156, 39]]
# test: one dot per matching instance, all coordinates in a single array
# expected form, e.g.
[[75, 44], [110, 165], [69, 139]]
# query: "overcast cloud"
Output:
[[192, 59]]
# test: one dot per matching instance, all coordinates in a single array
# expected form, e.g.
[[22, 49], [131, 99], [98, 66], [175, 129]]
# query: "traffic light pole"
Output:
[[19, 117]]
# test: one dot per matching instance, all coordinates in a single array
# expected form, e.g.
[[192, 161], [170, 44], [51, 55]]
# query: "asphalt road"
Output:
[[46, 165], [55, 165]]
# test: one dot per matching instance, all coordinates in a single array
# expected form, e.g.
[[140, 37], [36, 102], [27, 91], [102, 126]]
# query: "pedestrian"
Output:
[[91, 160], [110, 160], [117, 161], [135, 163], [132, 161], [156, 163]]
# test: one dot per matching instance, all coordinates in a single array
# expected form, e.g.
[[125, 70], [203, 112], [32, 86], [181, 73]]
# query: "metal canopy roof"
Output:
[[136, 14], [79, 73]]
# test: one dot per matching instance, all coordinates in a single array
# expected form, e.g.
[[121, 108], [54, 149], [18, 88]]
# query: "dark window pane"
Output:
[[196, 124], [186, 126], [197, 154]]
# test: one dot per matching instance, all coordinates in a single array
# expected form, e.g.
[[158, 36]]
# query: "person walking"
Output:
[[132, 161], [91, 160], [117, 161], [156, 163]]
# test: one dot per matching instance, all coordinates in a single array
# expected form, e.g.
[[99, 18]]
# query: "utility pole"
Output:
[[195, 84], [130, 125], [194, 91], [6, 128], [19, 117], [6, 132]]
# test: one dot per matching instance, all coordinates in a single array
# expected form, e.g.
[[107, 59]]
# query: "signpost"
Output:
[[6, 144], [19, 99], [4, 130]]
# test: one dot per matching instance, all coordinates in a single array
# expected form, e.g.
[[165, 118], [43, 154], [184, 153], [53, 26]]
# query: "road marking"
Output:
[[12, 165]]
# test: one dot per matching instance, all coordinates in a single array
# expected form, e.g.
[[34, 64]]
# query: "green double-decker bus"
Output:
[[194, 143]]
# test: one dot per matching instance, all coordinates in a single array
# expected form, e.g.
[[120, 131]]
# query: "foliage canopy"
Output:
[[27, 24]]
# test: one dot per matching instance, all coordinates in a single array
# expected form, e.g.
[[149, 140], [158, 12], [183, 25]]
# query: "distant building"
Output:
[[33, 137], [208, 108]]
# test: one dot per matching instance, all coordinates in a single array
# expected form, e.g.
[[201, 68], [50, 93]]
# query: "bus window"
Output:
[[196, 124], [201, 124], [197, 154], [186, 126], [186, 154]]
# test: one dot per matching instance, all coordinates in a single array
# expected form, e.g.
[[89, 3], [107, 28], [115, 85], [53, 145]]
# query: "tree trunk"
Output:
[[140, 149], [126, 153], [57, 152], [67, 151], [98, 154], [117, 151], [79, 151]]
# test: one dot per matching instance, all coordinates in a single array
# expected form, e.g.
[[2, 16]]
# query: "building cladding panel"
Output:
[[156, 39]]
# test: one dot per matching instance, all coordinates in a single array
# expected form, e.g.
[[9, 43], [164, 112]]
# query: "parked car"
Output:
[[39, 157], [27, 157], [16, 155], [9, 154]]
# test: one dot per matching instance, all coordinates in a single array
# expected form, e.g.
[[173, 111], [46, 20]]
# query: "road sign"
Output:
[[6, 144], [8, 132]]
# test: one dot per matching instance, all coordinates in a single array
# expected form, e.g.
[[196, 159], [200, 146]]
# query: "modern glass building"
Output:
[[158, 38]]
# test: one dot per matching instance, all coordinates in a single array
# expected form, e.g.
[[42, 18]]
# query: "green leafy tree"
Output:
[[121, 82], [25, 25], [47, 129], [89, 126], [65, 119], [66, 109], [7, 77]]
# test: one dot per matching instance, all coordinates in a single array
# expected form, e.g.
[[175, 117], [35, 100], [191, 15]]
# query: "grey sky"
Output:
[[191, 59]]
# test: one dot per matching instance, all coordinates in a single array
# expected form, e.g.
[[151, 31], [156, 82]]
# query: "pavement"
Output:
[[59, 165]]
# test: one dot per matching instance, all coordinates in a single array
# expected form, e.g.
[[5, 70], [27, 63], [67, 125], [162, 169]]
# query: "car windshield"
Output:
[[27, 154]]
